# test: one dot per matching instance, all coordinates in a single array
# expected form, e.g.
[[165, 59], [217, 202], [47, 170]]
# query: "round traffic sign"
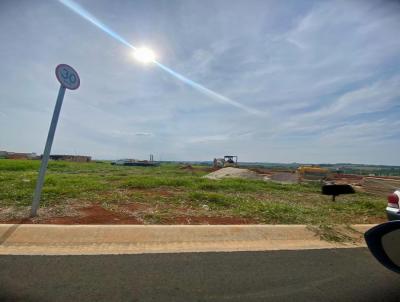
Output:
[[67, 76]]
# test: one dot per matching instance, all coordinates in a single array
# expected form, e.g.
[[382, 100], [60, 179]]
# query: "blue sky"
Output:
[[321, 78]]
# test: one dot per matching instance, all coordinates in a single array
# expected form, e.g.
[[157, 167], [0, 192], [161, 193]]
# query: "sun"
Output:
[[144, 55]]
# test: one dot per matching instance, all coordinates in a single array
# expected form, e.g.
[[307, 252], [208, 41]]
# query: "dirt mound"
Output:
[[230, 172]]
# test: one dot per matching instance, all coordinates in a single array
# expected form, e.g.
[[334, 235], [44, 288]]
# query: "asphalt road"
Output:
[[312, 275]]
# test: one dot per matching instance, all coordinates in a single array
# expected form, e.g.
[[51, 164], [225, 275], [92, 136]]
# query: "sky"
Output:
[[316, 81]]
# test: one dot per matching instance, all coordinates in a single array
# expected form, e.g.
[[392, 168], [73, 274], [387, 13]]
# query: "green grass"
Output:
[[172, 187]]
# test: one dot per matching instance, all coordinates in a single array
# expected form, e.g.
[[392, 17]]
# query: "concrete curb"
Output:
[[36, 239]]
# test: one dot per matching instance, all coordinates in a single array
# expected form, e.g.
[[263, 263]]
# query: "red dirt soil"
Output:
[[95, 214], [134, 207]]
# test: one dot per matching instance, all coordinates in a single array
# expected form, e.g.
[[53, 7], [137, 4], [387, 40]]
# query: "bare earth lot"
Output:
[[98, 193]]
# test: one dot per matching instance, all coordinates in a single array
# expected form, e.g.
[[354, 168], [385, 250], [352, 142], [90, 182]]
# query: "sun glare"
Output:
[[144, 55]]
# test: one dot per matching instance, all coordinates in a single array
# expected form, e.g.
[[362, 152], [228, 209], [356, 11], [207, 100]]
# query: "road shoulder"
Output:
[[31, 239]]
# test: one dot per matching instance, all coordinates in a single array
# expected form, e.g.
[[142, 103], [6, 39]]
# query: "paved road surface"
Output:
[[310, 275]]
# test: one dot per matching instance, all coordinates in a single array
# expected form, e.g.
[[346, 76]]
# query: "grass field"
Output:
[[102, 193]]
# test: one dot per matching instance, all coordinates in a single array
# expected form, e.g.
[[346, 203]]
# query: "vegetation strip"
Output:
[[99, 193]]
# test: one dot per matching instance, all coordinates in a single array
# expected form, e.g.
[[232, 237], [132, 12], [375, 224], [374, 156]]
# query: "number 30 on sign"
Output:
[[67, 76]]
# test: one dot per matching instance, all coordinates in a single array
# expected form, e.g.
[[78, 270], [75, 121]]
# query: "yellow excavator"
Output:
[[312, 173]]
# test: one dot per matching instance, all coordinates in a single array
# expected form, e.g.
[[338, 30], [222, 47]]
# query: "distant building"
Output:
[[17, 155], [74, 158], [66, 157]]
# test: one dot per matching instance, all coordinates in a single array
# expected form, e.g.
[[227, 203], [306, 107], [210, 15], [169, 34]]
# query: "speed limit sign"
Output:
[[67, 76], [69, 79]]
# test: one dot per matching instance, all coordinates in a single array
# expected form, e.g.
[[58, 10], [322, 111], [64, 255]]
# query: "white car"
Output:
[[393, 206]]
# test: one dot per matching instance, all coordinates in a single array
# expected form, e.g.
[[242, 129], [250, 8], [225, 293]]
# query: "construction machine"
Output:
[[227, 161], [312, 173]]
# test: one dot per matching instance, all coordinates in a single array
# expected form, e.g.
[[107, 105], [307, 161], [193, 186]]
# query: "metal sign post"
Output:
[[68, 79]]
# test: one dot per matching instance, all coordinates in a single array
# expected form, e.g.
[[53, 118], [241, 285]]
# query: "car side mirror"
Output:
[[383, 241]]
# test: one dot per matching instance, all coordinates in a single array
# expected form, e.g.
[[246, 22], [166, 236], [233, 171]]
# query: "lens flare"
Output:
[[148, 56], [75, 7], [216, 96]]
